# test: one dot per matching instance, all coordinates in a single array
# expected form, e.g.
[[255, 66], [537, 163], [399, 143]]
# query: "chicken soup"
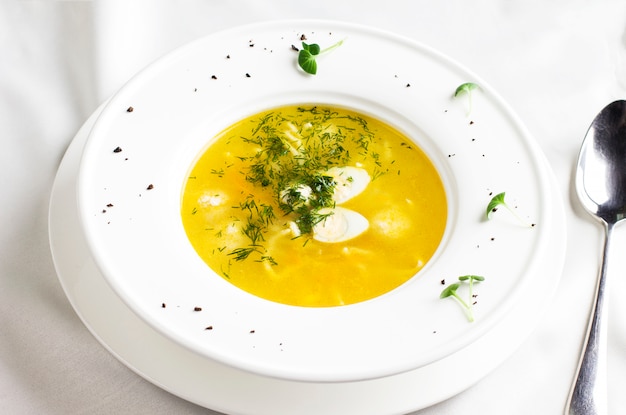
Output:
[[314, 206]]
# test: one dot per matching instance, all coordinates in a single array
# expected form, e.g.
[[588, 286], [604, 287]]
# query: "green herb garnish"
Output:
[[466, 88], [288, 162], [308, 54], [496, 202], [451, 291], [242, 253], [293, 156]]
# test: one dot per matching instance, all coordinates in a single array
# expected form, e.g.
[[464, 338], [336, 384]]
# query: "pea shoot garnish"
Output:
[[496, 202], [308, 54], [451, 291], [466, 89]]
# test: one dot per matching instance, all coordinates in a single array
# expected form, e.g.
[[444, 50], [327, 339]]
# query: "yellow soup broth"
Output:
[[262, 206]]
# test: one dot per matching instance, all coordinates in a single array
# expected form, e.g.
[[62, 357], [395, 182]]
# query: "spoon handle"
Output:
[[588, 395]]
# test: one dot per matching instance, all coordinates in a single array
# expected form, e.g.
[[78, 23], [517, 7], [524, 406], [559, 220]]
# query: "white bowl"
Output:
[[129, 200]]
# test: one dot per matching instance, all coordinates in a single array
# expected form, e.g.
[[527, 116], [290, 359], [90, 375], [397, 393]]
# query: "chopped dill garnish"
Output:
[[289, 158], [307, 221], [269, 259], [242, 253], [254, 232]]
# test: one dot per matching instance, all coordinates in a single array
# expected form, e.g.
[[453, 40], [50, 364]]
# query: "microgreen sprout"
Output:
[[308, 54], [496, 202], [451, 291], [466, 88]]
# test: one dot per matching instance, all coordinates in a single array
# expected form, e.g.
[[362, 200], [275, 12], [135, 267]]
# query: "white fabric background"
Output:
[[557, 63]]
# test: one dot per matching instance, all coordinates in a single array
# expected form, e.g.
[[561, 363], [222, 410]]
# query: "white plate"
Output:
[[220, 387], [512, 162], [141, 248]]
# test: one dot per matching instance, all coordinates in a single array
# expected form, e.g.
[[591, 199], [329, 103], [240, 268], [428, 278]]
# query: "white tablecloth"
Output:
[[556, 62]]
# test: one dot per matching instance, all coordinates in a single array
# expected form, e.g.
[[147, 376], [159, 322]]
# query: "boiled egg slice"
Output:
[[340, 225], [350, 181]]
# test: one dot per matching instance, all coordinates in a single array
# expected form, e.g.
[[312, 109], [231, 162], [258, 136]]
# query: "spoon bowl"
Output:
[[601, 172], [601, 188]]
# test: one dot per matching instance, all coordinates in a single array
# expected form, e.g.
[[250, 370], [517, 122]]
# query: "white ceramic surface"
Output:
[[139, 246], [223, 388]]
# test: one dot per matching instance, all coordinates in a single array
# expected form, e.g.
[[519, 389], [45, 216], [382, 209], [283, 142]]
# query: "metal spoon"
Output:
[[601, 188]]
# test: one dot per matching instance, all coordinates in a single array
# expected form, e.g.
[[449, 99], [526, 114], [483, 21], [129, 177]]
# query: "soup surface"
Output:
[[314, 206]]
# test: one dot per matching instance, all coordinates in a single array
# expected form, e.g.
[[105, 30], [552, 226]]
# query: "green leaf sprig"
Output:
[[466, 89], [451, 291], [496, 202], [308, 54]]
